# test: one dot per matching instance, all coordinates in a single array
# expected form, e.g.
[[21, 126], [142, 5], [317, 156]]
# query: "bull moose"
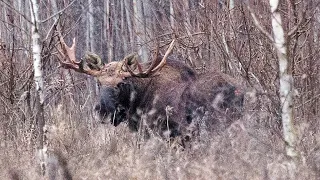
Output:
[[165, 98]]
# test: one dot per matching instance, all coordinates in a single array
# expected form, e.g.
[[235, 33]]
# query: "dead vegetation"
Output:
[[80, 147], [88, 150]]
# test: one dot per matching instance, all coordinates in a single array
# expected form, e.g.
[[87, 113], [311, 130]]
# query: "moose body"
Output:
[[165, 99], [169, 100], [159, 101]]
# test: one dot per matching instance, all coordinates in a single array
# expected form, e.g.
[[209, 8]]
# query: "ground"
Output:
[[248, 149]]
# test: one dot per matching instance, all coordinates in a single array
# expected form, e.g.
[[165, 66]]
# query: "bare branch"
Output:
[[258, 25], [59, 12], [16, 11], [296, 27]]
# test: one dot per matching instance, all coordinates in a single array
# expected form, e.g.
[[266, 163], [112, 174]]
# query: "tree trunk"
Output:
[[91, 44], [148, 23], [286, 80], [171, 15], [127, 4], [109, 32], [91, 28], [124, 31], [38, 79], [140, 26], [187, 22]]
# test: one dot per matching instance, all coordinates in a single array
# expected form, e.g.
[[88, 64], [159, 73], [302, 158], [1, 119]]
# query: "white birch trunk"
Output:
[[129, 22], [148, 23], [187, 23], [123, 27], [38, 79], [286, 80], [91, 42], [54, 8], [25, 25], [91, 27], [117, 47], [231, 16], [36, 50], [105, 19], [171, 14], [231, 4], [140, 29], [3, 30], [109, 32]]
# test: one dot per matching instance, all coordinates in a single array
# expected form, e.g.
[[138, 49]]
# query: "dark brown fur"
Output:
[[167, 100], [146, 99]]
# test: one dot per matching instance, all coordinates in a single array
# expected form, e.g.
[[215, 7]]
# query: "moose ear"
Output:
[[130, 61], [93, 61], [131, 58]]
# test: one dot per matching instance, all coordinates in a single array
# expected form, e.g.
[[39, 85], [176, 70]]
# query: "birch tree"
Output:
[[108, 30], [90, 28], [123, 27], [286, 88], [38, 79], [171, 14], [286, 79], [140, 29], [127, 4]]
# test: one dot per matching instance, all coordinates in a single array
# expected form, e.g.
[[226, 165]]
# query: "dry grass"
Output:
[[248, 149], [251, 148]]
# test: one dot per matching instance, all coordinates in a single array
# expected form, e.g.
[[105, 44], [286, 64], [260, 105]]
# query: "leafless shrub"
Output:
[[209, 34]]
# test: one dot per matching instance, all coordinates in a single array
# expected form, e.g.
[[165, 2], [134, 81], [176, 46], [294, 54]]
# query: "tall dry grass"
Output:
[[248, 149]]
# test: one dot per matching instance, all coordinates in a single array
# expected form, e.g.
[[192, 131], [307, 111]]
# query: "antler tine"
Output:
[[70, 51], [154, 67], [164, 59], [69, 58]]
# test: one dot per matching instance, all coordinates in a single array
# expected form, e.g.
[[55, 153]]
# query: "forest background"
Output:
[[234, 37]]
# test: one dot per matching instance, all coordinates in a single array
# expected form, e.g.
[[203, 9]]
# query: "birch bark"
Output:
[[140, 29], [171, 14], [38, 79], [124, 31], [91, 27], [127, 4], [286, 80]]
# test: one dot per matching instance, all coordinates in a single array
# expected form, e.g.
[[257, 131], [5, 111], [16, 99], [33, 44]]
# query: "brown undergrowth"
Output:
[[248, 149]]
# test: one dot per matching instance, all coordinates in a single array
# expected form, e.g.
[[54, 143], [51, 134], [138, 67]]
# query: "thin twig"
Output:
[[57, 13], [17, 11], [296, 27], [54, 25], [178, 38], [258, 25]]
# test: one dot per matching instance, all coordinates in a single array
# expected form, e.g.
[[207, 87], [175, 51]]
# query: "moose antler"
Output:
[[154, 67], [68, 59]]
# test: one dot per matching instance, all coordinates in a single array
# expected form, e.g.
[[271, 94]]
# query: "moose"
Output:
[[164, 99]]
